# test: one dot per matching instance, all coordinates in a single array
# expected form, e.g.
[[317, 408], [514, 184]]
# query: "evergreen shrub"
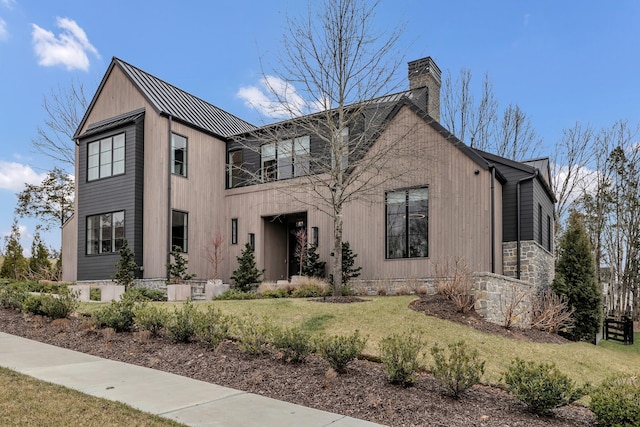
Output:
[[458, 371]]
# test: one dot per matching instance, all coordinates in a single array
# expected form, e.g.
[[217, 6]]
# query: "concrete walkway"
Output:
[[188, 401]]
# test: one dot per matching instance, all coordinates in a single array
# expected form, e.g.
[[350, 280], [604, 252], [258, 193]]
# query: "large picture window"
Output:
[[285, 159], [105, 233], [179, 230], [407, 223], [178, 155], [105, 157]]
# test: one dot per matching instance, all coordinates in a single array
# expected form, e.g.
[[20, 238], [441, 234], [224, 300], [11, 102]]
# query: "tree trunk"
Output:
[[337, 252]]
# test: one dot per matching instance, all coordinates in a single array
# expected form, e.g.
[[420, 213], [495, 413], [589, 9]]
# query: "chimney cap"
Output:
[[424, 66]]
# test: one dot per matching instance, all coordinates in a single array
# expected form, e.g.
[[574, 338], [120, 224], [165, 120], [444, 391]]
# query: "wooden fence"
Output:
[[619, 330]]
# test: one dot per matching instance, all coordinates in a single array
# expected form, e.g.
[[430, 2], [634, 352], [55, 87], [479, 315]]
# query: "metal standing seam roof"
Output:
[[183, 106]]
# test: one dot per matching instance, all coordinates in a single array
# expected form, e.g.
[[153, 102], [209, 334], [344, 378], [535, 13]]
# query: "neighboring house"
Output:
[[161, 168]]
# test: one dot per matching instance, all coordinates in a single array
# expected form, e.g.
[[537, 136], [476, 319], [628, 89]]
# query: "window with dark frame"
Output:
[[105, 233], [105, 157], [315, 236], [407, 223], [179, 230], [178, 155], [540, 224], [234, 231], [285, 159], [252, 241], [235, 169], [549, 234]]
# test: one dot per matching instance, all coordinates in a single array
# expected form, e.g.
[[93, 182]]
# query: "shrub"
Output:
[[312, 266], [295, 343], [150, 318], [144, 294], [541, 387], [458, 372], [456, 283], [178, 268], [235, 294], [616, 402], [252, 335], [550, 312], [12, 296], [126, 267], [95, 294], [247, 274], [59, 307], [400, 354], [339, 350], [32, 304], [181, 326], [309, 291], [275, 293], [118, 314], [212, 327]]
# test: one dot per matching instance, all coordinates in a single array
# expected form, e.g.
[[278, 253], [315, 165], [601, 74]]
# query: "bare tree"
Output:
[[516, 138], [301, 247], [569, 168], [64, 108], [340, 67], [213, 253]]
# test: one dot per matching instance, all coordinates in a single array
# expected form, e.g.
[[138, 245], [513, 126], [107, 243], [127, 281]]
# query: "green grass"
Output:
[[25, 401], [382, 316]]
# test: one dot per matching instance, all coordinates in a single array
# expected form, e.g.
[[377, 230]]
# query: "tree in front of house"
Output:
[[247, 274], [177, 269], [39, 264], [312, 266], [349, 270], [576, 279], [126, 267], [15, 265]]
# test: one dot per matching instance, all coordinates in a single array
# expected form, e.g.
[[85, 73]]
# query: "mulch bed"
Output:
[[362, 392]]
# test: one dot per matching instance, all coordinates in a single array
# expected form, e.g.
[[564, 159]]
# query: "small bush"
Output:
[[309, 291], [12, 296], [59, 307], [95, 294], [295, 343], [458, 372], [456, 283], [212, 327], [400, 357], [541, 387], [252, 335], [275, 293], [339, 350], [181, 326], [150, 318], [144, 294], [616, 402], [32, 304], [118, 314], [235, 294]]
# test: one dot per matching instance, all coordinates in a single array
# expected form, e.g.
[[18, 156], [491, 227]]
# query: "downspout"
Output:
[[526, 178], [492, 167], [169, 216]]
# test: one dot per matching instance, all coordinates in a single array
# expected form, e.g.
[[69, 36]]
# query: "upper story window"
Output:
[[178, 155], [105, 157], [235, 169], [407, 223], [105, 233], [285, 159]]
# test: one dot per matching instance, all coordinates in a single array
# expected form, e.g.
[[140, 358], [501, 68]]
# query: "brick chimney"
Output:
[[425, 73]]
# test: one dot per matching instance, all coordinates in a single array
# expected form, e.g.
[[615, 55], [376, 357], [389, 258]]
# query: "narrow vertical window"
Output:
[[179, 230], [549, 234], [315, 236], [178, 155], [234, 231], [268, 155], [540, 224], [235, 169], [252, 241]]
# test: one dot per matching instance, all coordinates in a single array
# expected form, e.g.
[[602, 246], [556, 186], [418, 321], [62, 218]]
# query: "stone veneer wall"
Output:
[[494, 293], [537, 265]]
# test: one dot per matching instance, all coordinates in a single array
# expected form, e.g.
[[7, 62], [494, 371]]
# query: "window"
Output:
[[105, 233], [235, 169], [105, 157], [315, 236], [252, 241], [179, 230], [549, 234], [540, 224], [234, 231], [178, 155], [407, 222], [285, 159]]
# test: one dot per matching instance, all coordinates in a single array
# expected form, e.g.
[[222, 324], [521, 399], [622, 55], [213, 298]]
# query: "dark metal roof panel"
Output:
[[170, 100], [113, 122]]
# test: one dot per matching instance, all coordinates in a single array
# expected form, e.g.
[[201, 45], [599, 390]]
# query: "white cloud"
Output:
[[14, 175], [8, 3], [275, 98], [4, 33], [527, 18], [69, 48]]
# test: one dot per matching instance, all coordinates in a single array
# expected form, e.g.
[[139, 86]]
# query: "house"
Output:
[[160, 168]]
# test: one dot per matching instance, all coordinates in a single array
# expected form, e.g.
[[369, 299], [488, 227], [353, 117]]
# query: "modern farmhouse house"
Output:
[[160, 167]]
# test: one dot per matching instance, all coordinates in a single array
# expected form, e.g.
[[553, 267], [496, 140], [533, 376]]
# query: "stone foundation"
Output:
[[536, 263]]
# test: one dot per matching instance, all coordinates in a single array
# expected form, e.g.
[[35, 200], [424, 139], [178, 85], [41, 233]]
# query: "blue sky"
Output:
[[560, 61]]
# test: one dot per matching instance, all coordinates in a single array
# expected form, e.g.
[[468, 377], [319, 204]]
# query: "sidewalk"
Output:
[[188, 401]]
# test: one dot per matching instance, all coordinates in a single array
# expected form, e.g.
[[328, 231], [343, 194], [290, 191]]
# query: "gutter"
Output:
[[169, 216], [520, 181]]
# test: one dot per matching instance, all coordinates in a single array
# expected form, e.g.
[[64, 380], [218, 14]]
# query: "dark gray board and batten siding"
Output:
[[117, 193]]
